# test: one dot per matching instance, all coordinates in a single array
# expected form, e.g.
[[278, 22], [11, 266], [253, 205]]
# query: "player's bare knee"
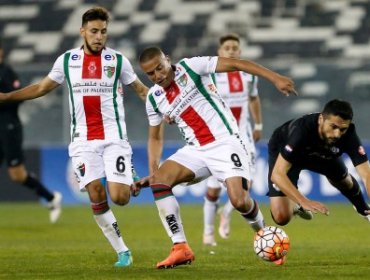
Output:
[[280, 218]]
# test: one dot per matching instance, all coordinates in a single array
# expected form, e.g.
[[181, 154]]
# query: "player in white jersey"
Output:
[[239, 90], [99, 147], [185, 94]]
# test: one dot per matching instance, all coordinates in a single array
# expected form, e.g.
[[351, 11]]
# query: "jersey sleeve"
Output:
[[253, 86], [128, 75], [57, 72], [154, 116], [202, 65], [295, 142], [354, 148]]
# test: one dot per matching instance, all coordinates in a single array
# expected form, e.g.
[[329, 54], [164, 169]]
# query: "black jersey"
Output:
[[8, 82], [298, 140]]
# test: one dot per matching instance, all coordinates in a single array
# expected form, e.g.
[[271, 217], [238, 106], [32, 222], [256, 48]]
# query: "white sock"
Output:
[[169, 212], [227, 209], [256, 221], [209, 213], [108, 224]]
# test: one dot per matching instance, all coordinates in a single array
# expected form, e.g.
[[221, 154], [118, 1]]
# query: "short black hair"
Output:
[[339, 108], [229, 36], [149, 53], [94, 14]]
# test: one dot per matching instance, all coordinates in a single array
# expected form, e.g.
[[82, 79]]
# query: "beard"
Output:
[[91, 50]]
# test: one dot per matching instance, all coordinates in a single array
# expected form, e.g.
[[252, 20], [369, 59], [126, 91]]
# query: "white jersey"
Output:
[[95, 92], [193, 102], [236, 88]]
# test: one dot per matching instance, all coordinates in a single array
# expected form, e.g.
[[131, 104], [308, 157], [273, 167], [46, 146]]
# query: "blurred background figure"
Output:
[[239, 91], [11, 138]]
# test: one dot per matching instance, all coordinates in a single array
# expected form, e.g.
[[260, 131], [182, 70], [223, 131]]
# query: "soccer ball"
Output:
[[271, 243]]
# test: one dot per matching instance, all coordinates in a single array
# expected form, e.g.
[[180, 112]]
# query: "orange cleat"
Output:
[[280, 261], [180, 254]]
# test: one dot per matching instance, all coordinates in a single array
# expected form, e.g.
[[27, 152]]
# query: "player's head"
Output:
[[229, 46], [334, 120], [94, 29], [157, 66]]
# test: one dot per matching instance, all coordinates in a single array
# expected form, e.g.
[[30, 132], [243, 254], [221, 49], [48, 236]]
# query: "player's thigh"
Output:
[[117, 158], [172, 172], [87, 163], [186, 165], [12, 145]]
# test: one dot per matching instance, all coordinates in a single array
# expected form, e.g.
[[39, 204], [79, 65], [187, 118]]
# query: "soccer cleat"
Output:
[[280, 261], [224, 227], [209, 240], [124, 259], [366, 217], [180, 254], [55, 207], [304, 214]]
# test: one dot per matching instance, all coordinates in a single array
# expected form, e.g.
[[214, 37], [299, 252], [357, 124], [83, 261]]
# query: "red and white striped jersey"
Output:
[[235, 88], [193, 102], [95, 92]]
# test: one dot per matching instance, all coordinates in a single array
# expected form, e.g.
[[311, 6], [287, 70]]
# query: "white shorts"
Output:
[[213, 183], [223, 159], [92, 160]]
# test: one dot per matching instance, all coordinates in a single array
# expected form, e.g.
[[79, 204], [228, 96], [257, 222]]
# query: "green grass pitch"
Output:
[[334, 247]]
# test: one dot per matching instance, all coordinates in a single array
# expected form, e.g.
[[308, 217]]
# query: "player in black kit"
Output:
[[316, 142], [11, 143]]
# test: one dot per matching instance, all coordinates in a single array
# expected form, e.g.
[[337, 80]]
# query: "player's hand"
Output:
[[315, 207], [168, 119], [285, 85], [137, 186]]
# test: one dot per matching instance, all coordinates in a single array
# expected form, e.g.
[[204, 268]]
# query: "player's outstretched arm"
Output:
[[284, 84], [140, 89], [280, 178], [363, 170], [30, 92]]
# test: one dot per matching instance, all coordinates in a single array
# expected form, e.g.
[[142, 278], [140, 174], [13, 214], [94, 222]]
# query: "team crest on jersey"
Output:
[[183, 80], [82, 169], [109, 71]]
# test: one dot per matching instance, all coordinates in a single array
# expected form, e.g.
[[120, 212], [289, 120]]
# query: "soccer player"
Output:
[[316, 142], [99, 147], [239, 91], [185, 94], [11, 138]]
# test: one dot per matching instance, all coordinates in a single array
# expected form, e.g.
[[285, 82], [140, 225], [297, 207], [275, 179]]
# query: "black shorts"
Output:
[[334, 169], [11, 138]]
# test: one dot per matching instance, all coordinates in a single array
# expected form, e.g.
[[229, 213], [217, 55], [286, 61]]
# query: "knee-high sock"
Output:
[[108, 224], [355, 196], [209, 213], [254, 217], [33, 183], [169, 212], [228, 208]]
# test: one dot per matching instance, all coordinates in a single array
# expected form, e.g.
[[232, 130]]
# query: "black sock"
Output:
[[34, 184], [355, 196]]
